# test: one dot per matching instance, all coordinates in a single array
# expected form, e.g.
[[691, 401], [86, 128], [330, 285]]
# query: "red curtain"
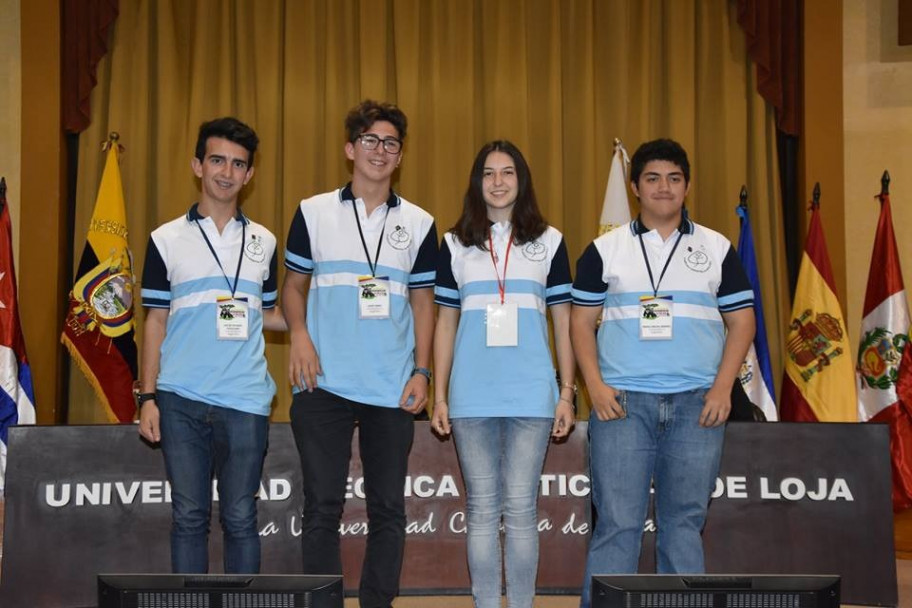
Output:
[[773, 32], [86, 25]]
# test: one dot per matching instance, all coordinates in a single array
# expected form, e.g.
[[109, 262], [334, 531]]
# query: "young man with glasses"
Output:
[[359, 302]]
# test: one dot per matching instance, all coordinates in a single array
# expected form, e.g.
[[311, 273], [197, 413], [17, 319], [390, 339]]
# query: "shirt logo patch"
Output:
[[399, 238], [254, 249], [536, 251], [697, 260]]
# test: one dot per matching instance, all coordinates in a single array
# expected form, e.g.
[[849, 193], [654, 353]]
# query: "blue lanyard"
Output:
[[655, 286], [373, 265], [237, 274]]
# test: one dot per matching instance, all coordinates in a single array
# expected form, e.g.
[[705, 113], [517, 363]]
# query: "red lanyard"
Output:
[[501, 284]]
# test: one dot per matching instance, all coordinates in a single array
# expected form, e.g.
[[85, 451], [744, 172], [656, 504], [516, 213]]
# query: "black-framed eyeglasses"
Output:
[[369, 141]]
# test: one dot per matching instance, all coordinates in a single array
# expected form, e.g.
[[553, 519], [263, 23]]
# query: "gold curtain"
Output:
[[560, 78]]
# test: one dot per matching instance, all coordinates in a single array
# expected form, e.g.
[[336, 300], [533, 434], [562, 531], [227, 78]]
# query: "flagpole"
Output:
[[742, 198], [884, 185], [815, 202], [2, 192]]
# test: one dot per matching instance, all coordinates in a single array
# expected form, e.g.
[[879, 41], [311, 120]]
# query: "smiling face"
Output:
[[499, 185], [377, 165], [223, 171], [661, 189]]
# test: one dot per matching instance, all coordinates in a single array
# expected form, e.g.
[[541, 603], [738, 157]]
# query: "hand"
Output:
[[149, 422], [414, 396], [605, 403], [303, 362], [440, 421], [717, 407], [563, 420]]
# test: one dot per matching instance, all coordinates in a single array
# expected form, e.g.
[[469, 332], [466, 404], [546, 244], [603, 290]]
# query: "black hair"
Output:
[[229, 128], [659, 149]]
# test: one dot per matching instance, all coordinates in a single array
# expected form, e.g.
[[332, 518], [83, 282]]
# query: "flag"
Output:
[[17, 397], [900, 433], [98, 330], [756, 371], [615, 208], [819, 379], [882, 341]]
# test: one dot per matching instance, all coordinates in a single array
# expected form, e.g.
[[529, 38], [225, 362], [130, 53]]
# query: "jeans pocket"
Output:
[[621, 398]]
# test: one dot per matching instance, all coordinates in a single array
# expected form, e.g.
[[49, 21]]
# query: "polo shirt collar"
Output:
[[347, 195], [685, 227], [194, 215]]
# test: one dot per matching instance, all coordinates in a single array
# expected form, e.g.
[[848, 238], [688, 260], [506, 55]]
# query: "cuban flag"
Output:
[[756, 372], [17, 397]]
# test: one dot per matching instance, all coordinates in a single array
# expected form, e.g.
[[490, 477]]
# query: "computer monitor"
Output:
[[715, 591], [215, 590]]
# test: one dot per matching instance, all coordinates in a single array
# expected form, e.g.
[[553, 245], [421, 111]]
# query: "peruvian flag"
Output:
[[883, 339]]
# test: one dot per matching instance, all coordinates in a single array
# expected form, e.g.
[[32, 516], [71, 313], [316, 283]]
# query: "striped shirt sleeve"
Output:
[[298, 257], [735, 291], [156, 288], [446, 290], [271, 284], [589, 289], [559, 287], [424, 268]]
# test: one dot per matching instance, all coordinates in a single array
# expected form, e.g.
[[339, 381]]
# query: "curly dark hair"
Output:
[[366, 113]]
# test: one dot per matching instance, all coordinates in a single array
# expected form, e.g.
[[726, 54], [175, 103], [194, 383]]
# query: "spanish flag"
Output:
[[98, 330], [819, 381]]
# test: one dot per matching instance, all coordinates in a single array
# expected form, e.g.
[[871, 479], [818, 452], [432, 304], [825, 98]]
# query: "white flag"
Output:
[[616, 209]]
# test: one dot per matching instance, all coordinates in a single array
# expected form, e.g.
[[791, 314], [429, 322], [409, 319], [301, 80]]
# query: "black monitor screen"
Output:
[[217, 591], [715, 591]]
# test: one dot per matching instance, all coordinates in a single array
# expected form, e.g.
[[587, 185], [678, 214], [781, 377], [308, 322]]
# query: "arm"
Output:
[[154, 330], [303, 361], [740, 326], [273, 319], [566, 366], [444, 339], [422, 303], [583, 321]]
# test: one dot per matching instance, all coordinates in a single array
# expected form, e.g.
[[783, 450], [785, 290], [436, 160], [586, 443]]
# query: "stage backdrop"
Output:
[[791, 498]]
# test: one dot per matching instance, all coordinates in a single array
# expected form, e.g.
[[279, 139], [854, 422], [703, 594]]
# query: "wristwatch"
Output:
[[424, 372], [143, 397]]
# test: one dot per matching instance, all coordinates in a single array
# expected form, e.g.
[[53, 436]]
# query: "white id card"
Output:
[[502, 323], [373, 298], [656, 317], [232, 321]]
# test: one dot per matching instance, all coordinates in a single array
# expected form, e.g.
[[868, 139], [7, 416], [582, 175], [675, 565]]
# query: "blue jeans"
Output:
[[501, 461], [199, 440], [323, 424], [659, 441]]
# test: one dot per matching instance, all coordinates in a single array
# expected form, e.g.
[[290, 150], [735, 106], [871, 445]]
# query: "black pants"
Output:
[[323, 424]]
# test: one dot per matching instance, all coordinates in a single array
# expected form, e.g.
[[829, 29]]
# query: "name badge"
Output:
[[232, 321], [502, 324], [656, 317], [373, 297]]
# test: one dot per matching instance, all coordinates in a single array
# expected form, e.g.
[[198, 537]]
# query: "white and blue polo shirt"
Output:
[[367, 361], [704, 277], [503, 381], [182, 275]]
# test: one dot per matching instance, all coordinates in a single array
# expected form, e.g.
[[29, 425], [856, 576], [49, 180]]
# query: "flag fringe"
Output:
[[86, 370]]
